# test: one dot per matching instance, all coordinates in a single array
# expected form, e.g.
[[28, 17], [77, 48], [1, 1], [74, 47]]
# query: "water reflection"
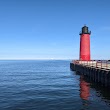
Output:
[[86, 85], [84, 92], [84, 89]]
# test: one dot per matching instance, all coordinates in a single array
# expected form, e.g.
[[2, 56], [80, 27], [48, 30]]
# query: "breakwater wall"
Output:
[[97, 71]]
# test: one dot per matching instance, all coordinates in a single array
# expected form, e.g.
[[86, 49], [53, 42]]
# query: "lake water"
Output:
[[48, 85]]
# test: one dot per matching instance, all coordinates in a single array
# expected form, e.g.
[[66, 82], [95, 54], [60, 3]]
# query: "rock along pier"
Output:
[[96, 70]]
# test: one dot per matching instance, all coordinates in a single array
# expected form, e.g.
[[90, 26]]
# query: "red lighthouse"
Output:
[[85, 44]]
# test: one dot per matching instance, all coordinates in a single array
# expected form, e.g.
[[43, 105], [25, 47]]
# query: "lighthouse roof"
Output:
[[85, 30]]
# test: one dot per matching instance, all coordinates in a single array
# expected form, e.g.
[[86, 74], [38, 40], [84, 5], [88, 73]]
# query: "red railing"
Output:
[[104, 64]]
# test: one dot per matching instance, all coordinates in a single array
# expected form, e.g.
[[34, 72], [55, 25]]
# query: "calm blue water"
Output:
[[47, 85]]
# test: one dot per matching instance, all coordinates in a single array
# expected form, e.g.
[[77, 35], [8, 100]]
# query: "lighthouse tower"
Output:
[[85, 44]]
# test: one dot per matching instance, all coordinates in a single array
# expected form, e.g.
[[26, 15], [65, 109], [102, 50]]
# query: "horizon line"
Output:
[[41, 59]]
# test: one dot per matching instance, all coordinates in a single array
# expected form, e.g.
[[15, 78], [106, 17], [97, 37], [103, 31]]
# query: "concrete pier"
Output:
[[98, 71]]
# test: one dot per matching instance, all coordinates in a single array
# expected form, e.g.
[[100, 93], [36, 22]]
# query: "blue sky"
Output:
[[45, 29]]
